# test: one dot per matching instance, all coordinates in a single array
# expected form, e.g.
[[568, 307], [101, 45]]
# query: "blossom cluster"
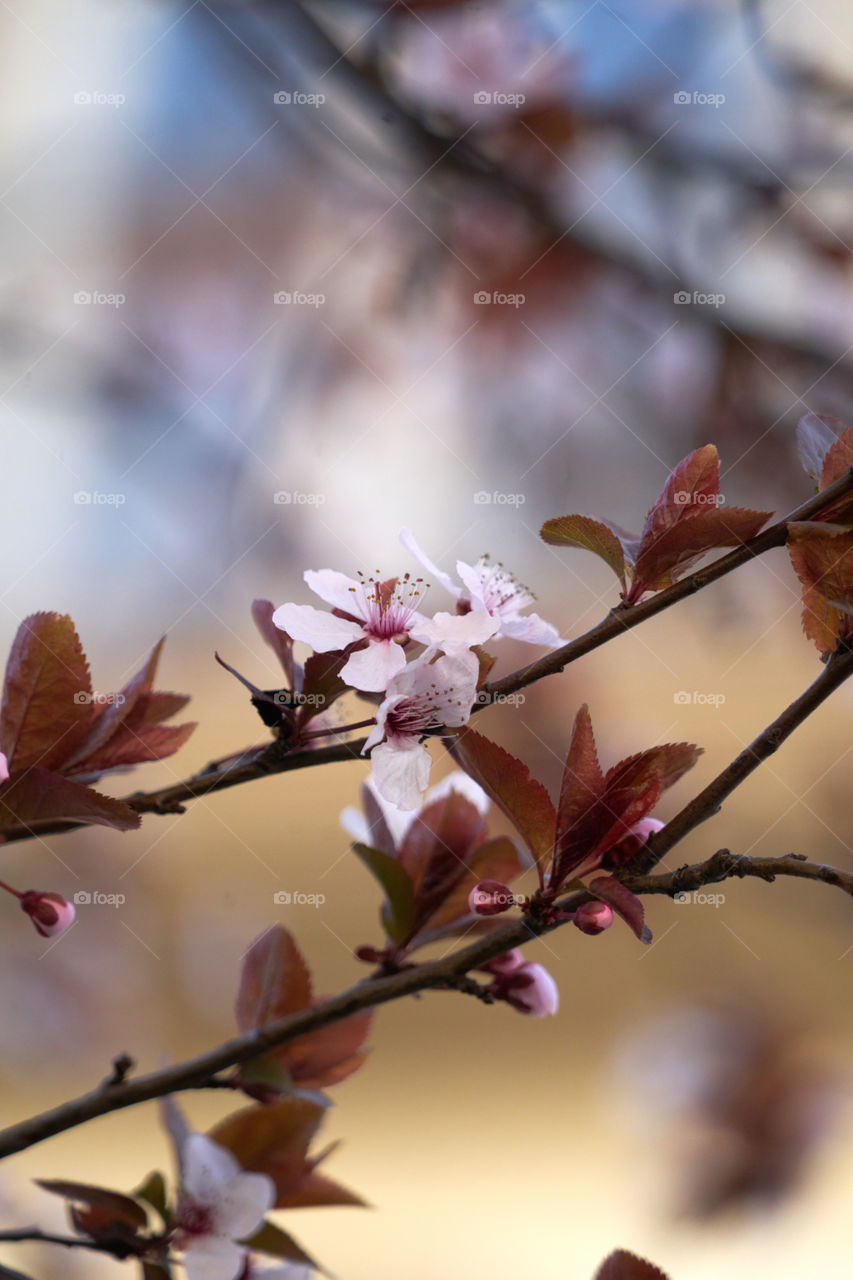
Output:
[[427, 669]]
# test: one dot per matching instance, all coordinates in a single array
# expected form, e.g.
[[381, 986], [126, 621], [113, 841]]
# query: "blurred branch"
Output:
[[274, 758], [451, 971]]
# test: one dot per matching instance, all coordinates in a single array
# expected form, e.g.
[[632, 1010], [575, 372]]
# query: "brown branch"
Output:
[[724, 865], [21, 1235], [273, 759], [449, 970]]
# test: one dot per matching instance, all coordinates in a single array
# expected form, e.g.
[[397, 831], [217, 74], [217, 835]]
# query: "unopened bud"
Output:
[[490, 898], [593, 917], [50, 912], [531, 990], [632, 843], [4, 768], [506, 962]]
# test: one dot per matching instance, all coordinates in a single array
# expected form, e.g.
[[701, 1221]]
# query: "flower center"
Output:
[[501, 591], [421, 713], [194, 1219], [387, 607]]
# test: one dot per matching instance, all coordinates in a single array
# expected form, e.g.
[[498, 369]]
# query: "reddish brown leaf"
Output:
[[321, 683], [508, 783], [496, 859], [274, 1140], [328, 1056], [838, 458], [129, 746], [436, 845], [622, 1265], [120, 1208], [274, 980], [822, 556], [669, 554], [46, 694], [583, 781], [279, 641], [589, 534], [693, 484], [39, 795], [625, 903]]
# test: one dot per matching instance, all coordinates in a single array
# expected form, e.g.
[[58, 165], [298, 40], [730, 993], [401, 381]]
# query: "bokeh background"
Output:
[[280, 278]]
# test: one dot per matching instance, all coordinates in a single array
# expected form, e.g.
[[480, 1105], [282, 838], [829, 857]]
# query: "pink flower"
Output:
[[50, 912], [490, 898], [423, 698], [4, 768], [385, 614], [593, 917], [220, 1204], [530, 989], [491, 590]]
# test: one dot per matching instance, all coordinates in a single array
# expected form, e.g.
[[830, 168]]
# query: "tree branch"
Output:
[[274, 759], [447, 971], [724, 865]]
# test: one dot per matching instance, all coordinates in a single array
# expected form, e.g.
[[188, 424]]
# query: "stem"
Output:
[[273, 759]]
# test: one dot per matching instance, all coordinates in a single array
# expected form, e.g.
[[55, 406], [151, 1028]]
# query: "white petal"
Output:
[[242, 1207], [463, 785], [208, 1169], [322, 630], [354, 824], [397, 822], [372, 668], [473, 580], [401, 773], [533, 629], [453, 630], [408, 540], [212, 1258], [337, 590]]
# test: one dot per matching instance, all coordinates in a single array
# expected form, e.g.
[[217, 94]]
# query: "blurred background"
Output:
[[280, 278]]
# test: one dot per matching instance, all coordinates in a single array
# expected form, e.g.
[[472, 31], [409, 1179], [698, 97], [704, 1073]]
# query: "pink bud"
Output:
[[50, 912], [4, 768], [490, 898], [593, 917], [507, 962], [532, 990]]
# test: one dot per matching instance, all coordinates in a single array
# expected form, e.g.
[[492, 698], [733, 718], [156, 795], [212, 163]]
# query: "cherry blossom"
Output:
[[4, 768], [385, 614], [50, 912], [398, 821], [530, 989], [423, 698], [220, 1204], [491, 589]]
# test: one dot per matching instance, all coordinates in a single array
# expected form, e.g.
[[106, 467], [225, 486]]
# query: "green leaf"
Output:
[[398, 909], [274, 1242], [589, 534], [153, 1192]]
